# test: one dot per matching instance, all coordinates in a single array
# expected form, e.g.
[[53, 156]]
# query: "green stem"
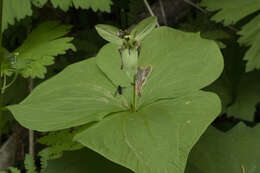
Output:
[[3, 85], [134, 95], [150, 10], [8, 85]]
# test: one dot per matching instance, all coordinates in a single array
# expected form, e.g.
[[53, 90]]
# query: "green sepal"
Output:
[[109, 33], [142, 29]]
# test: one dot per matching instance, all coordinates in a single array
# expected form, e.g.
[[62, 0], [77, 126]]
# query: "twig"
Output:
[[31, 133], [205, 12], [243, 168], [163, 13], [150, 10], [195, 6]]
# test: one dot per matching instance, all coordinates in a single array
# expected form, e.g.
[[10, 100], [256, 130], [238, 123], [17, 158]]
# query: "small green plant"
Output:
[[142, 102], [129, 49], [29, 164], [150, 127], [60, 141]]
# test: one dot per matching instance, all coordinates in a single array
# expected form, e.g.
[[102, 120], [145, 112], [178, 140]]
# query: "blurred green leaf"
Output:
[[39, 3], [207, 29], [14, 10], [231, 11], [250, 36], [246, 97], [222, 87], [136, 7], [41, 46], [60, 141], [84, 160], [222, 152], [102, 5]]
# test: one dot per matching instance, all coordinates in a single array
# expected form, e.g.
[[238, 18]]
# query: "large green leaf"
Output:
[[78, 95], [226, 152], [231, 11], [247, 97], [40, 47], [191, 61], [157, 138], [110, 65], [108, 59], [169, 120], [82, 161]]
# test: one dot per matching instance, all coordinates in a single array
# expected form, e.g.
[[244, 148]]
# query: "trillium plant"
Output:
[[140, 97]]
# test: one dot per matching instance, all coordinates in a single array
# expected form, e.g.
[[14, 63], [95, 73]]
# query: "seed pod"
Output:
[[130, 61]]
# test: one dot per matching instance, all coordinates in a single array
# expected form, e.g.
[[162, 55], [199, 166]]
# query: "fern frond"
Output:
[[14, 170], [44, 157], [29, 164], [60, 141]]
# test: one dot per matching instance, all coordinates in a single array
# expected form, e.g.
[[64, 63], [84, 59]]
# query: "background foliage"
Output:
[[43, 37]]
